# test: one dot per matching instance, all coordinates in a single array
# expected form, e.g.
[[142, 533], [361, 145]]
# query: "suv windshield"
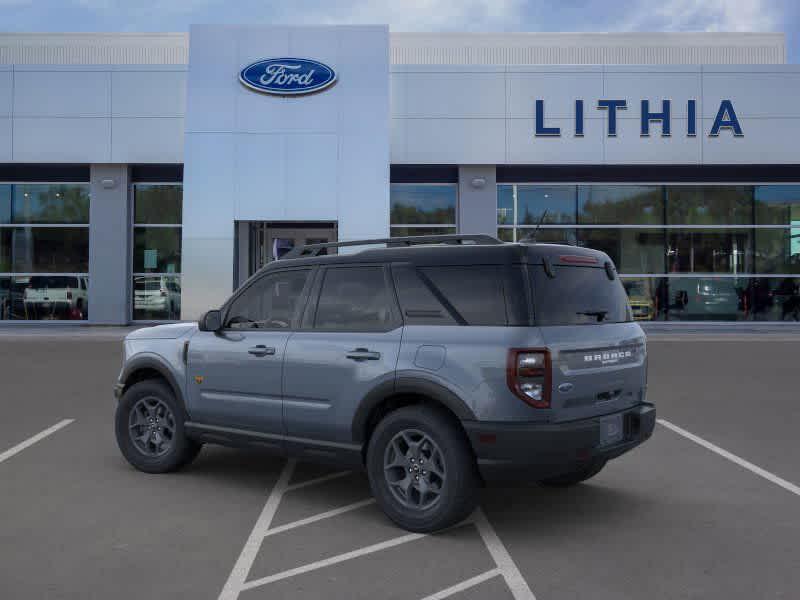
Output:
[[578, 296]]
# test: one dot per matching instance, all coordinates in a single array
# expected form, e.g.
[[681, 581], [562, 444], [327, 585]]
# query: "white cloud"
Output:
[[416, 15], [705, 15]]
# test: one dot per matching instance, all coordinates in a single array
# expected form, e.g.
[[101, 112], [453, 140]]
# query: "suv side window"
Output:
[[354, 299], [269, 303], [418, 303], [476, 293]]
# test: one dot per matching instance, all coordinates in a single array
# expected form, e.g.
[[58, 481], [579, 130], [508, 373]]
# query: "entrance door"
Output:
[[271, 241]]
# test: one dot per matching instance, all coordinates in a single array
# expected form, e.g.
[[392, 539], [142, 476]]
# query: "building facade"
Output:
[[144, 176]]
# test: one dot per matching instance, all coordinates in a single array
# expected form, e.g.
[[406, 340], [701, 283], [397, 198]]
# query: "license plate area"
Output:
[[612, 430]]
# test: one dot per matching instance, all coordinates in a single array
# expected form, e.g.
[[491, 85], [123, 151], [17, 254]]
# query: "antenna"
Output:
[[531, 237]]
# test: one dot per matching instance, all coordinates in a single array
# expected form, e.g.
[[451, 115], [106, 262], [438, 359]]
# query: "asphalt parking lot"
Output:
[[708, 508]]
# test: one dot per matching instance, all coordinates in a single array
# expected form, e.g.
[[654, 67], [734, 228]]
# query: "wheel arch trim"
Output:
[[407, 385], [155, 363]]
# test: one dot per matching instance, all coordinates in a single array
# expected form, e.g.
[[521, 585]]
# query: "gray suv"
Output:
[[437, 364]]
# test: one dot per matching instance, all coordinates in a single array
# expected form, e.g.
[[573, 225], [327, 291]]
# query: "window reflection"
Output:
[[709, 205], [628, 204], [632, 250], [423, 204], [709, 251], [559, 202], [44, 297], [156, 297], [157, 213], [44, 203]]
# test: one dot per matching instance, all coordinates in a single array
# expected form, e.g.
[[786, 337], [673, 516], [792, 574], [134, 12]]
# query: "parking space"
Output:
[[670, 520]]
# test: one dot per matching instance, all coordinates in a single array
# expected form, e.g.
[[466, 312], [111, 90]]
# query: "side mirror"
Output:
[[211, 321]]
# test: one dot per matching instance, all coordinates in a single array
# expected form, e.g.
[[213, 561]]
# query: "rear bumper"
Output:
[[524, 452]]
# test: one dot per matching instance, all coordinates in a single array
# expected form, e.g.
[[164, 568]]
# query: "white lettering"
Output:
[[277, 74]]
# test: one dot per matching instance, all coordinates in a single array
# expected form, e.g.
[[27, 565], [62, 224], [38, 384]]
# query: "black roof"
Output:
[[497, 253]]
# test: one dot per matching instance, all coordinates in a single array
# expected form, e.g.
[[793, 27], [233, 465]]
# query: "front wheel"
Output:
[[149, 428], [421, 470], [574, 477]]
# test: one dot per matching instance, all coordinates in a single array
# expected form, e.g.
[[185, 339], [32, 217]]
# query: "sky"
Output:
[[413, 15]]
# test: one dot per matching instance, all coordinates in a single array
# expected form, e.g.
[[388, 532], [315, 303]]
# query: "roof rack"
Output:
[[473, 239]]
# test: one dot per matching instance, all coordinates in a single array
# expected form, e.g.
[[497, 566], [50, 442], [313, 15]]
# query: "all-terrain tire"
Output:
[[159, 444], [457, 490]]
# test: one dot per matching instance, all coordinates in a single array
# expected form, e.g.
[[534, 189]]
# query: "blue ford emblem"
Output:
[[287, 76]]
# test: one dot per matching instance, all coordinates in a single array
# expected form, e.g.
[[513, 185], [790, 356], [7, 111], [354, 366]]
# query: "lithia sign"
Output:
[[725, 120]]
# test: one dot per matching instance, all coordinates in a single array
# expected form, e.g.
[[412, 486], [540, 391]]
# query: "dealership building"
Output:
[[143, 177]]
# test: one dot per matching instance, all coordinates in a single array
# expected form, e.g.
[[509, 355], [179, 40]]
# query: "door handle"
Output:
[[363, 354], [261, 350]]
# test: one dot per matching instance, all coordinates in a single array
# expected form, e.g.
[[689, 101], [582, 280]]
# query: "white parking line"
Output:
[[235, 584], [403, 539], [514, 579], [323, 479], [320, 517], [464, 585], [771, 477], [33, 439]]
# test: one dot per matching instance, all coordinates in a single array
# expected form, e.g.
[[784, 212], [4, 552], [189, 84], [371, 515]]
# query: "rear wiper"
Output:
[[600, 314]]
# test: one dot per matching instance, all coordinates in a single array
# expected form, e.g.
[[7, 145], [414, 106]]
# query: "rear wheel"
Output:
[[149, 428], [421, 470], [574, 477]]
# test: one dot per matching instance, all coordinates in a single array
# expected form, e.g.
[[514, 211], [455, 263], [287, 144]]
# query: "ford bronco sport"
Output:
[[437, 364]]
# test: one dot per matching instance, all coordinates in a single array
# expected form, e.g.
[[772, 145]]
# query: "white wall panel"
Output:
[[312, 177], [455, 141], [6, 94], [148, 93], [363, 190], [147, 140], [62, 93], [5, 139], [455, 95], [210, 89], [262, 197], [209, 178], [79, 140], [523, 147]]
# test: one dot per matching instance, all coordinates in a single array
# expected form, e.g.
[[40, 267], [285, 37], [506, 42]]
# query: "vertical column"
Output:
[[109, 236], [477, 199]]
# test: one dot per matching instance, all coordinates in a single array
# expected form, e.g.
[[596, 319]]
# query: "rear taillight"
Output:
[[528, 373]]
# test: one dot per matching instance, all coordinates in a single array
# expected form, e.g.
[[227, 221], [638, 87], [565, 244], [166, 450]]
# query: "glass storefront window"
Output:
[[44, 204], [411, 231], [708, 299], [157, 250], [778, 250], [709, 205], [44, 251], [156, 284], [709, 251], [620, 204], [632, 250], [778, 205], [158, 204], [423, 204], [534, 200], [156, 297]]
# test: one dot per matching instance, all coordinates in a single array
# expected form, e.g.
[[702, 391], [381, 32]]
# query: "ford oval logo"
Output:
[[287, 76]]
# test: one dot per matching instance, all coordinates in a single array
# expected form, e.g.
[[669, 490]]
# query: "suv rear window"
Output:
[[578, 296]]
